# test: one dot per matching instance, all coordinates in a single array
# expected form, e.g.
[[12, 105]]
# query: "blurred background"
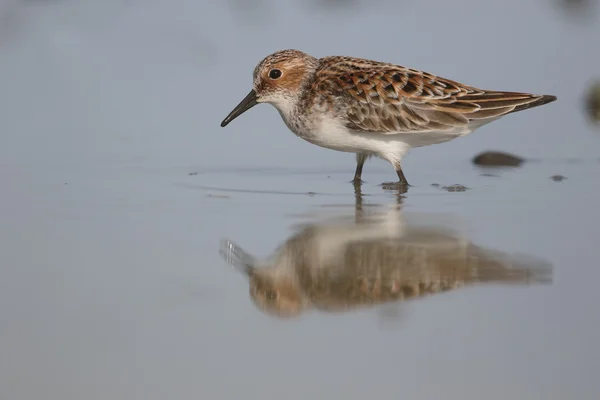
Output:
[[118, 184]]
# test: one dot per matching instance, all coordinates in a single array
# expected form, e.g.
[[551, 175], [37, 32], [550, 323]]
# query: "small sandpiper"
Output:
[[373, 108]]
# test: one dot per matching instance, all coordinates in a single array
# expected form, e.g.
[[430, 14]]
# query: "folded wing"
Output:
[[392, 99]]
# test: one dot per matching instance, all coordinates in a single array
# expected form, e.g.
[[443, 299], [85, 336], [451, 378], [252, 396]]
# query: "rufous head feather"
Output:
[[277, 80]]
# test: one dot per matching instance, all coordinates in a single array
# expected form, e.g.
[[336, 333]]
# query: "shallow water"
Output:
[[118, 188], [116, 292]]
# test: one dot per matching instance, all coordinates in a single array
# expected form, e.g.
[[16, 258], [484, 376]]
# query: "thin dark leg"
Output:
[[360, 161], [403, 180], [402, 185], [358, 173]]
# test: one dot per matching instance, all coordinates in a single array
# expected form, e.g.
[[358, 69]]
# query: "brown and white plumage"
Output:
[[390, 99], [374, 108]]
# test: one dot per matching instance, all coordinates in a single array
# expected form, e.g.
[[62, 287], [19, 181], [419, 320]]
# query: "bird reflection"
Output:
[[347, 263]]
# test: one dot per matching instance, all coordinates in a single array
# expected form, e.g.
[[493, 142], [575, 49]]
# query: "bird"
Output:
[[373, 108]]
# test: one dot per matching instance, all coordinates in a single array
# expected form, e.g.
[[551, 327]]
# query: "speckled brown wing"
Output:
[[387, 98]]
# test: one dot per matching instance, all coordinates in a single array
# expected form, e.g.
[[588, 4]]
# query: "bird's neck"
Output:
[[287, 106]]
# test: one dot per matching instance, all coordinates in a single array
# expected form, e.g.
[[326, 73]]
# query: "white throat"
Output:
[[286, 106]]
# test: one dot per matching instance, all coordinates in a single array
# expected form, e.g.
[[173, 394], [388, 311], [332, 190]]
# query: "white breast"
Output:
[[327, 131]]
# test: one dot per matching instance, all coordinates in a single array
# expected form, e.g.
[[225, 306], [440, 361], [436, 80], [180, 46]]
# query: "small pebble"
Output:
[[593, 103], [558, 178], [497, 159]]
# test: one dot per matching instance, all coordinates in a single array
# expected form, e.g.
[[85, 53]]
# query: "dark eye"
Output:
[[274, 74], [270, 295]]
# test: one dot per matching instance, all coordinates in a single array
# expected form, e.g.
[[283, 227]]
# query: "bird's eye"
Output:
[[274, 74], [270, 295]]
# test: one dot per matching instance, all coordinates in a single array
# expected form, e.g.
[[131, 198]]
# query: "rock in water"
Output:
[[497, 159], [593, 103]]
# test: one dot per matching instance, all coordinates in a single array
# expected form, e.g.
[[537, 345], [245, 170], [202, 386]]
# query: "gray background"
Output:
[[111, 286]]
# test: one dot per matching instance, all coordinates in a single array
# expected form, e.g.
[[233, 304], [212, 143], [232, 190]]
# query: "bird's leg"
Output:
[[360, 161], [402, 185], [403, 181]]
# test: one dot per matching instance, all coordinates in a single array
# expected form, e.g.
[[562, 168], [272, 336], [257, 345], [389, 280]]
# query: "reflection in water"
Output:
[[348, 263]]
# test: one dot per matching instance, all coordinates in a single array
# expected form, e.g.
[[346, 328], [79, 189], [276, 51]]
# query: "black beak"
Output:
[[246, 104]]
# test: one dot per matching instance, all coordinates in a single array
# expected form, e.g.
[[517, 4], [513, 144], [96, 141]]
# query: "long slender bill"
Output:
[[246, 104]]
